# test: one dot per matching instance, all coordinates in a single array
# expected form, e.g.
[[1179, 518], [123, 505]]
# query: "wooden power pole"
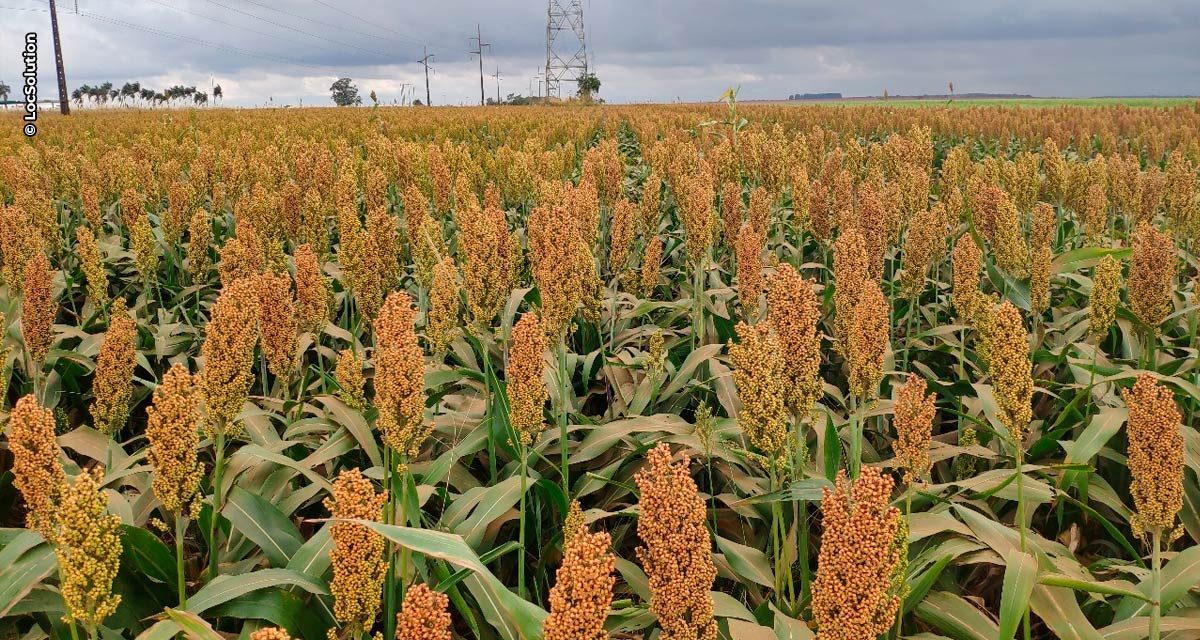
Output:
[[425, 61], [63, 104], [480, 44]]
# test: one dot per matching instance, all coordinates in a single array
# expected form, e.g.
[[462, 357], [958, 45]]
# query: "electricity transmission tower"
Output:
[[478, 38], [566, 47]]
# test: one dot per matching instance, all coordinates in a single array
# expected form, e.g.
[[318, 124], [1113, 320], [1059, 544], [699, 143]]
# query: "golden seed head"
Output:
[[575, 523], [583, 589], [750, 245], [677, 555], [357, 556], [761, 386], [112, 384], [1009, 248], [694, 193], [314, 295], [967, 262], [1151, 186], [922, 243], [400, 378], [241, 256], [277, 323], [794, 312], [853, 595], [1041, 231], [173, 429], [1010, 368], [88, 546], [1055, 167], [1095, 214], [200, 238], [1042, 260], [92, 264], [1155, 455], [228, 353], [349, 375], [424, 615], [270, 633], [656, 355], [22, 241], [651, 265], [621, 235], [383, 247], [849, 274], [526, 386], [38, 307], [1152, 275], [145, 248], [442, 325], [820, 219], [487, 261], [563, 267], [37, 472], [914, 428], [1106, 295], [868, 342], [964, 464]]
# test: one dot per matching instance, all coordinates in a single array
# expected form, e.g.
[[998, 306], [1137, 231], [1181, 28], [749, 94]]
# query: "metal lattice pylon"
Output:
[[566, 47]]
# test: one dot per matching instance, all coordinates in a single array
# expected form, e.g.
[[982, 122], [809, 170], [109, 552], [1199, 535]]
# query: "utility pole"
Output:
[[425, 61], [497, 77], [63, 105], [480, 44]]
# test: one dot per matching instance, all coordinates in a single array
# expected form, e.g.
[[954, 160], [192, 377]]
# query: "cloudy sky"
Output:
[[642, 50]]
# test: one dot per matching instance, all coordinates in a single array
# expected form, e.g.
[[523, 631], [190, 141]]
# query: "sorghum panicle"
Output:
[[849, 274], [92, 264], [400, 377], [794, 312], [88, 545], [112, 384], [277, 323], [583, 589], [1155, 455], [424, 615], [758, 376], [199, 240], [173, 424], [228, 353], [349, 375], [442, 326], [1010, 369], [1106, 295], [651, 264], [314, 295], [37, 472], [853, 595], [914, 428], [868, 342], [1151, 275], [677, 555], [357, 555], [38, 307], [526, 386], [750, 244]]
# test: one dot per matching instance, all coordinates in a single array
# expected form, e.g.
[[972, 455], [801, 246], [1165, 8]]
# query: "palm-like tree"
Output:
[[217, 93], [147, 96], [106, 92], [200, 98], [4, 91], [77, 96]]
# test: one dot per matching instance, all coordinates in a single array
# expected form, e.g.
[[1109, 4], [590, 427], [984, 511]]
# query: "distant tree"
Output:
[[160, 97], [4, 91], [589, 85], [218, 93], [418, 103], [885, 95], [147, 96], [105, 92], [344, 93], [128, 92], [77, 96], [200, 98]]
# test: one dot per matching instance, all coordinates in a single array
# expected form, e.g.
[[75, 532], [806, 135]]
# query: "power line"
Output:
[[300, 31], [365, 21], [176, 36], [220, 21]]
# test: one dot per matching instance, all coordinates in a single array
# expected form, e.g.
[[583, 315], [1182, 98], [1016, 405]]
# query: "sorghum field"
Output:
[[676, 372]]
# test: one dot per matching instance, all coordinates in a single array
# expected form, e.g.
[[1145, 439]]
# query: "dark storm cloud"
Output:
[[291, 50]]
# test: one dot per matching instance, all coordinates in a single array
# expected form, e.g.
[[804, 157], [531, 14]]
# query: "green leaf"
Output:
[[1179, 576], [279, 607], [747, 562], [1083, 258], [514, 617], [194, 627], [20, 577], [263, 524], [1058, 608], [147, 554], [955, 617], [1019, 574], [224, 588]]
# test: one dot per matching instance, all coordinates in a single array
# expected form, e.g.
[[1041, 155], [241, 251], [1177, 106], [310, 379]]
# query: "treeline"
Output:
[[133, 93]]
